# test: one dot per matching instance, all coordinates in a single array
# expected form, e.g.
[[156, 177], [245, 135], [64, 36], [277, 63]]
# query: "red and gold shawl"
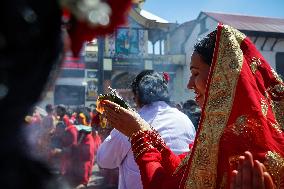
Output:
[[243, 110]]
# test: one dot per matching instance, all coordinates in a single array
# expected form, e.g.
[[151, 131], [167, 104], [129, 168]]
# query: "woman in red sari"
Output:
[[242, 100]]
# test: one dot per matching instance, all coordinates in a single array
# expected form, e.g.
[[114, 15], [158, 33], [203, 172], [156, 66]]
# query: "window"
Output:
[[280, 63], [150, 47], [69, 95], [127, 41]]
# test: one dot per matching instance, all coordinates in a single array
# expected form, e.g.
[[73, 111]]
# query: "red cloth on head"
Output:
[[241, 112]]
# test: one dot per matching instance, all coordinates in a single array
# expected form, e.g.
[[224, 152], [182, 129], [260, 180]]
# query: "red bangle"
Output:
[[157, 140], [147, 138]]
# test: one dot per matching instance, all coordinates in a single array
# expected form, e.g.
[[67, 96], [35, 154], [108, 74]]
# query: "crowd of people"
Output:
[[69, 140], [66, 140]]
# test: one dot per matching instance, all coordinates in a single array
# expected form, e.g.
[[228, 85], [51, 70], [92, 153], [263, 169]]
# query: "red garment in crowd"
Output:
[[69, 143], [80, 170], [67, 120], [73, 118], [243, 111]]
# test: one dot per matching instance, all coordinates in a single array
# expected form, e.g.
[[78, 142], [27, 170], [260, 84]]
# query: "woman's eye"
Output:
[[195, 74]]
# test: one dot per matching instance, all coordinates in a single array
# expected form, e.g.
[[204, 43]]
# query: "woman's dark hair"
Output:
[[61, 110], [49, 108], [86, 112], [205, 47], [150, 86]]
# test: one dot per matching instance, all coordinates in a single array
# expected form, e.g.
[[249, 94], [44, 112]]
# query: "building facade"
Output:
[[143, 43], [149, 42]]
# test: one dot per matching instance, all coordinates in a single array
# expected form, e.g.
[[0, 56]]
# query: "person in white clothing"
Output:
[[151, 97]]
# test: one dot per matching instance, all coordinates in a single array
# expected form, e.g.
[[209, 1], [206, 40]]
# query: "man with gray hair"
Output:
[[151, 96]]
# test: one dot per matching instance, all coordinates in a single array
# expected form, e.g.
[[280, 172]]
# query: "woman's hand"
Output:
[[126, 121], [250, 174]]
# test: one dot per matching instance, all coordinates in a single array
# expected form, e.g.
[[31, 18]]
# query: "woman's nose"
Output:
[[190, 84]]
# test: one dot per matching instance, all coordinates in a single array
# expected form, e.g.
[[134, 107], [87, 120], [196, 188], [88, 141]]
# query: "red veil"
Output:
[[243, 110]]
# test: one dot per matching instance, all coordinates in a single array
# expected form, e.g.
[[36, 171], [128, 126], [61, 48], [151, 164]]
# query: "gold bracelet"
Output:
[[142, 151], [145, 143], [133, 135], [136, 141]]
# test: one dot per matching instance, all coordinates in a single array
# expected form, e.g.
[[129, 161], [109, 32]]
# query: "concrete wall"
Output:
[[178, 86], [176, 40]]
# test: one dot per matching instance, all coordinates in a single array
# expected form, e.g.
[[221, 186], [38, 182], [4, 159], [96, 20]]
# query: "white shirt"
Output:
[[174, 127]]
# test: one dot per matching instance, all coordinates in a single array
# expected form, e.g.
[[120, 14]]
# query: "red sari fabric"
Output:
[[82, 161], [69, 142], [243, 110]]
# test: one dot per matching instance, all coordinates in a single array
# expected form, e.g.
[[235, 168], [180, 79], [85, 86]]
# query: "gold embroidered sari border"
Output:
[[203, 168]]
